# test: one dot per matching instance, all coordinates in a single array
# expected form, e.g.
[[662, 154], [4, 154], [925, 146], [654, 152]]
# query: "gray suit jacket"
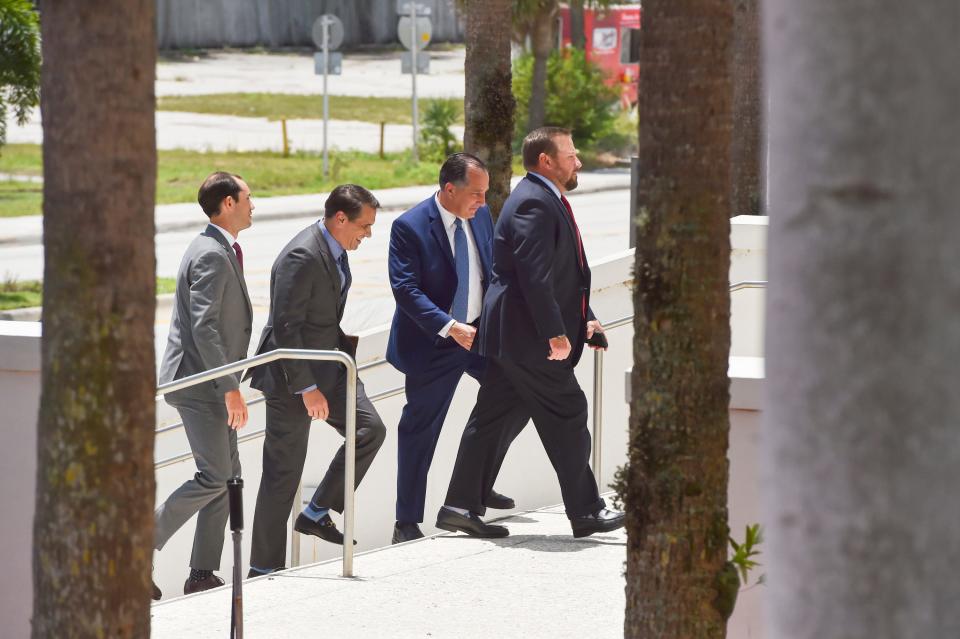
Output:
[[210, 325], [305, 312]]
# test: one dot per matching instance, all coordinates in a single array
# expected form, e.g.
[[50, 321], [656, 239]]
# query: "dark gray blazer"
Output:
[[305, 312], [210, 324]]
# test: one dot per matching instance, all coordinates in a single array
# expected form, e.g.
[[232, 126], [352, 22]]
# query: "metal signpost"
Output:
[[328, 36], [419, 30]]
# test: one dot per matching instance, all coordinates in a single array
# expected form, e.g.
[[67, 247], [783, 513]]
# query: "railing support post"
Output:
[[350, 467], [598, 415]]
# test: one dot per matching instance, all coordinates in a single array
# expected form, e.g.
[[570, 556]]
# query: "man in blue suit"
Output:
[[440, 256]]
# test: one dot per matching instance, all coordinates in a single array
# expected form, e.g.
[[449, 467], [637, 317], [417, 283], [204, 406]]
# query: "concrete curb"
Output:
[[28, 230], [32, 313]]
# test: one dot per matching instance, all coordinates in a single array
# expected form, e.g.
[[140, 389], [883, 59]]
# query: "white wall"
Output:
[[19, 400]]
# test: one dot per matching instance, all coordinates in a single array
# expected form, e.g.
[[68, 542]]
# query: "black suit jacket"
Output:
[[537, 283], [305, 312]]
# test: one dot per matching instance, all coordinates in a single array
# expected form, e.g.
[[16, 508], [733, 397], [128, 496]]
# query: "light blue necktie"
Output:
[[462, 262]]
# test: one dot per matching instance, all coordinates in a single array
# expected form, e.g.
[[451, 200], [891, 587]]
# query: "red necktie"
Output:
[[580, 255], [236, 247]]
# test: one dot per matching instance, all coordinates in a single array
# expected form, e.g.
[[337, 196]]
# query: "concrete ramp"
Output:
[[538, 582]]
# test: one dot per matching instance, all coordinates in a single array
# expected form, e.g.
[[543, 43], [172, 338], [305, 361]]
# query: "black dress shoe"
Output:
[[194, 585], [406, 532], [256, 573], [498, 501], [603, 520], [325, 529], [469, 524], [156, 591]]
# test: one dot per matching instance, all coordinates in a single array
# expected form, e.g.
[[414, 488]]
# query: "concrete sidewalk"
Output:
[[539, 582], [28, 230]]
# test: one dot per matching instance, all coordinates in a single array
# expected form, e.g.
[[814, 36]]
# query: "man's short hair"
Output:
[[216, 187], [454, 169], [349, 198], [539, 141]]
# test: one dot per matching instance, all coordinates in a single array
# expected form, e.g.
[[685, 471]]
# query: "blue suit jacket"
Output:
[[538, 284], [424, 280]]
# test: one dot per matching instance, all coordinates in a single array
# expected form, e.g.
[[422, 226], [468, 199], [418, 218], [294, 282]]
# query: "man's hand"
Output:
[[559, 348], [463, 334], [593, 326], [236, 409], [316, 404]]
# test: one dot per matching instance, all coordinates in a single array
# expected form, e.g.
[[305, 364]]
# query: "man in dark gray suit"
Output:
[[309, 283], [210, 327]]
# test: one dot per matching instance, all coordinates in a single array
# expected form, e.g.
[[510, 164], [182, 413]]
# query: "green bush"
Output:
[[577, 97], [437, 141]]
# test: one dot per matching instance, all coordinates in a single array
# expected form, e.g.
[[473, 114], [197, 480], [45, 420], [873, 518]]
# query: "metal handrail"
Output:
[[597, 461], [258, 400], [350, 427]]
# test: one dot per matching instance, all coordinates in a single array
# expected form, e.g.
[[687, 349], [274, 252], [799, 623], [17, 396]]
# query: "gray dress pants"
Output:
[[214, 446], [284, 453]]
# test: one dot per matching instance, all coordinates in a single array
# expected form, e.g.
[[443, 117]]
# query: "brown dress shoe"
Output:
[[199, 585]]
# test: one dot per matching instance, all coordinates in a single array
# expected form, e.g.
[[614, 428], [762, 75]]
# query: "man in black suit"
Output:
[[535, 320], [309, 283]]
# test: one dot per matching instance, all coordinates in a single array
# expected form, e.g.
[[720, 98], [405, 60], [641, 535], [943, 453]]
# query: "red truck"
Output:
[[613, 42]]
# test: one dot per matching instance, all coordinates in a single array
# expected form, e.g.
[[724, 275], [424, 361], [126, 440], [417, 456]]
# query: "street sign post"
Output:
[[327, 34], [414, 30]]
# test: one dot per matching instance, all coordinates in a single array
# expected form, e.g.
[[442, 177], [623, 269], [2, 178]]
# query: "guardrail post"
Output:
[[598, 414], [350, 468]]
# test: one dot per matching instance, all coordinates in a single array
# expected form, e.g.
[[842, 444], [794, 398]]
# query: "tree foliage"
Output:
[[576, 96], [19, 61]]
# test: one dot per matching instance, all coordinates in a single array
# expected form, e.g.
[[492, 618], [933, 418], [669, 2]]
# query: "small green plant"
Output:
[[743, 553], [437, 141], [577, 96], [736, 570]]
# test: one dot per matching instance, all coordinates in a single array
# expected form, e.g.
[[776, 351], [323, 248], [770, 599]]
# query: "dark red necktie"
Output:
[[580, 255], [236, 247]]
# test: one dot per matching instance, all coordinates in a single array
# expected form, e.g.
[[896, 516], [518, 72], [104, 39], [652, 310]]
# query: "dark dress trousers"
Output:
[[424, 280], [306, 306], [539, 289]]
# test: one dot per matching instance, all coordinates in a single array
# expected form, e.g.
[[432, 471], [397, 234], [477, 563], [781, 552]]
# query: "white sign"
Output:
[[604, 39], [424, 32]]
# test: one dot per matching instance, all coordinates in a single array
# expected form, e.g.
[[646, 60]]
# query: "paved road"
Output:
[[602, 218]]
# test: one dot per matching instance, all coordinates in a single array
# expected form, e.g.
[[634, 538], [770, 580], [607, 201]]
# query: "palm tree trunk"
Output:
[[747, 154], [488, 102], [93, 530], [578, 38], [679, 424], [542, 43], [860, 444]]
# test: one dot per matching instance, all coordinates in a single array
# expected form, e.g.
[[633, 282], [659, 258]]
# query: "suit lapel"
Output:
[[217, 235], [439, 233], [564, 214], [326, 259], [478, 240]]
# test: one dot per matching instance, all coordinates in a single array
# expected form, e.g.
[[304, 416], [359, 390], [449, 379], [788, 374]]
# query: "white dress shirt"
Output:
[[475, 292], [231, 240]]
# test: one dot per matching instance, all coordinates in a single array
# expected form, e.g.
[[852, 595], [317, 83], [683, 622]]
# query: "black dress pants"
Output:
[[512, 393]]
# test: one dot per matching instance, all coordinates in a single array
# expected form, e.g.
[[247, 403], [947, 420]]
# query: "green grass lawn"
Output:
[[14, 294], [277, 106], [180, 173]]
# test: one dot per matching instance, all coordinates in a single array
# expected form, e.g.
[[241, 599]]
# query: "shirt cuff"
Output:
[[443, 332], [311, 387]]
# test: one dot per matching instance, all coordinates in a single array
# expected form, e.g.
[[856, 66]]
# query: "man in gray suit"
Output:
[[210, 327], [309, 283]]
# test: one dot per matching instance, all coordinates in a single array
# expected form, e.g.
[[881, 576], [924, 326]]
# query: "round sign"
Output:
[[335, 31], [424, 32]]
